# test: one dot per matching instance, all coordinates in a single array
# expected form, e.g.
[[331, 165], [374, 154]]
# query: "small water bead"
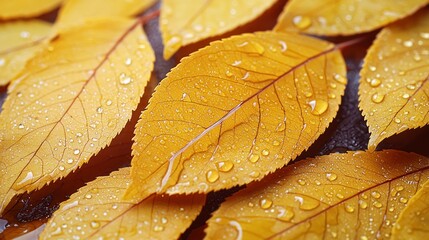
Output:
[[307, 203], [109, 102], [228, 73], [95, 224], [377, 98], [88, 196], [424, 35], [331, 176], [128, 61], [411, 86], [158, 228], [375, 194], [302, 22], [340, 78], [397, 120], [265, 203], [408, 43], [403, 200], [377, 204], [349, 208], [276, 143], [61, 168], [225, 166], [265, 152], [301, 182], [372, 68], [212, 175], [70, 161], [318, 107], [253, 158], [76, 151], [21, 126], [406, 96], [375, 82], [331, 95], [340, 196], [283, 46], [100, 110], [124, 79]]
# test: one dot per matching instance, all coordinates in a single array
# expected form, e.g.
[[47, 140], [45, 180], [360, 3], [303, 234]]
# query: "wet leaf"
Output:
[[412, 222], [188, 21], [235, 111], [97, 211], [345, 17], [26, 8], [394, 83], [72, 100], [75, 12], [356, 195], [19, 43]]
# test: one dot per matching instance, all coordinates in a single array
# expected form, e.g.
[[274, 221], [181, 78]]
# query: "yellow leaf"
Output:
[[343, 17], [394, 83], [97, 211], [188, 21], [72, 100], [26, 8], [356, 195], [412, 222], [19, 43], [75, 12], [235, 111]]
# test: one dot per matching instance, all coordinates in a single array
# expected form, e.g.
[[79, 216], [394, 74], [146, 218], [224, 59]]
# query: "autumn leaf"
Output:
[[75, 12], [235, 111], [412, 222], [356, 195], [188, 21], [20, 41], [26, 8], [71, 101], [345, 17], [97, 211], [394, 83]]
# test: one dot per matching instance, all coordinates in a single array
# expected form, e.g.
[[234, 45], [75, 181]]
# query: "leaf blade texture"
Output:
[[412, 223], [75, 12], [186, 22], [235, 111], [72, 100], [355, 195], [19, 43], [394, 85], [99, 211], [26, 8], [345, 17]]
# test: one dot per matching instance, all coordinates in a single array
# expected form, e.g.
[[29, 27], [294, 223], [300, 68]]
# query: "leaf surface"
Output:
[[412, 222], [26, 8], [75, 12], [343, 17], [356, 195], [394, 84], [188, 21], [72, 100], [19, 43], [235, 111], [97, 210]]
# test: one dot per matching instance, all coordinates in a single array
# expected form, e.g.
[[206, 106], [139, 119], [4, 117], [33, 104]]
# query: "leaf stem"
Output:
[[147, 17]]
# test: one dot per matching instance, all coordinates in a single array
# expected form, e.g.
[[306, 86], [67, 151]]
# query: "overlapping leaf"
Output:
[[75, 12], [344, 17], [188, 21], [19, 42], [394, 85], [413, 221], [98, 211], [71, 101], [26, 8], [356, 195], [235, 111]]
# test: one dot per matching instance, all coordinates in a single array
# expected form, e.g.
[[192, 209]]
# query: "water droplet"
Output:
[[100, 110], [228, 73], [406, 96], [185, 97], [225, 166], [285, 214], [376, 194], [397, 120], [128, 61], [411, 86], [375, 82], [340, 196], [307, 203], [340, 78], [28, 177], [76, 151], [21, 126], [158, 228], [276, 143], [363, 238], [124, 79], [372, 68], [301, 22], [258, 48], [377, 98], [399, 188], [377, 204], [253, 158], [403, 200], [283, 46], [331, 95], [349, 208], [88, 196], [408, 43], [61, 168], [164, 220], [212, 175], [95, 224], [301, 182], [265, 203], [109, 102], [70, 161], [331, 176], [424, 35], [318, 107], [265, 152]]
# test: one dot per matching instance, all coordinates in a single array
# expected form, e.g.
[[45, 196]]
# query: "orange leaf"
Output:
[[412, 222], [394, 83], [26, 8], [344, 17], [356, 195], [19, 43], [188, 21], [97, 211], [235, 111], [71, 101]]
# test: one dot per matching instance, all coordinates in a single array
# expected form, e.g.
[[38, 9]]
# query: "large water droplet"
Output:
[[331, 176], [377, 98], [302, 22], [306, 203], [375, 82], [253, 158], [265, 203], [124, 79], [318, 107], [265, 152], [212, 175], [225, 166], [375, 194]]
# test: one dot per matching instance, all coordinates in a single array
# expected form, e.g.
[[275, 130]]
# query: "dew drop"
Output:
[[258, 48], [128, 61], [377, 204], [307, 203], [372, 68], [397, 120], [331, 176], [377, 98], [124, 79], [403, 200], [185, 97], [424, 35], [76, 151], [253, 158], [340, 78], [164, 220], [228, 73], [285, 214], [212, 175], [349, 208], [21, 126], [100, 110], [61, 168], [88, 196], [375, 82], [265, 152], [406, 96], [276, 143], [158, 228], [225, 166], [70, 161], [265, 203], [95, 224], [408, 43], [411, 86], [318, 107], [109, 102], [283, 46], [301, 22], [376, 194]]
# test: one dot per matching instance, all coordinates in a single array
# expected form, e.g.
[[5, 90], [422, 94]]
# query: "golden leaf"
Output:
[[356, 195], [97, 211], [412, 222], [26, 8], [235, 111], [75, 12], [19, 43], [344, 17], [72, 100], [188, 21], [394, 83]]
